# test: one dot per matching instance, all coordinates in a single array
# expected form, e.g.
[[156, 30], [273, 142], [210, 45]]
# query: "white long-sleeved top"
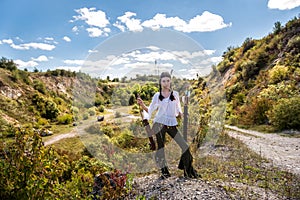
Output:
[[167, 109]]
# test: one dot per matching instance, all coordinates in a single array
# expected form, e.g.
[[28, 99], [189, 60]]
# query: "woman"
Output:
[[167, 104]]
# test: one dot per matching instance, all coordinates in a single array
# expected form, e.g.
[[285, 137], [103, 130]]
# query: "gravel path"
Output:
[[150, 187], [283, 152]]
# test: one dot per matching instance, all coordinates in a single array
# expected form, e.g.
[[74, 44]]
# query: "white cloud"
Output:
[[33, 45], [200, 23], [74, 62], [95, 19], [67, 39], [203, 23], [96, 32], [49, 38], [27, 46], [160, 20], [130, 23], [153, 48], [120, 26], [23, 64], [41, 58], [70, 68], [92, 17], [136, 65], [98, 22], [7, 41], [216, 59], [75, 29], [92, 51], [283, 4], [119, 61]]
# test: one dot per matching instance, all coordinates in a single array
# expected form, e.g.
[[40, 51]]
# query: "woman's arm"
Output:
[[153, 105], [142, 104]]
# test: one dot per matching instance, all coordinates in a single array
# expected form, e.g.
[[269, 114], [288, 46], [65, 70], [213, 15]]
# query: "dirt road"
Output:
[[283, 152]]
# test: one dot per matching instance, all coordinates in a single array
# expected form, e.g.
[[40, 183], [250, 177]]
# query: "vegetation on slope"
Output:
[[262, 79]]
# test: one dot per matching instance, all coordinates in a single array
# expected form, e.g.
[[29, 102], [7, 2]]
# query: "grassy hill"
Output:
[[262, 79], [42, 99]]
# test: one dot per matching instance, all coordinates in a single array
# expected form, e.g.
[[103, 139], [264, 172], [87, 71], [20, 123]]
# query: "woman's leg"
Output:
[[160, 159], [186, 159], [175, 134]]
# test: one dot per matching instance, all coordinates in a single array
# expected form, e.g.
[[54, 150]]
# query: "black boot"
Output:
[[165, 173], [190, 172], [185, 164]]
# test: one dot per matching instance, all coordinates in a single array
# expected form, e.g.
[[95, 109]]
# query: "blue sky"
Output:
[[65, 33]]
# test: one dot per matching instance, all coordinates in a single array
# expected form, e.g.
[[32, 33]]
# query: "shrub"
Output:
[[278, 73], [93, 129], [28, 169], [39, 86], [107, 130], [118, 114], [42, 121], [92, 111], [51, 111], [286, 114], [125, 139], [249, 68], [101, 108], [254, 112], [85, 116], [65, 119], [74, 110]]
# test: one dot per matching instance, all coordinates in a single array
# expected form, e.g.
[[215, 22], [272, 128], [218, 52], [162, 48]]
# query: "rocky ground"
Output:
[[150, 187], [180, 188], [283, 152]]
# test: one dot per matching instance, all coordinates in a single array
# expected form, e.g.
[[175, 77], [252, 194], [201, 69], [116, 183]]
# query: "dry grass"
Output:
[[242, 172]]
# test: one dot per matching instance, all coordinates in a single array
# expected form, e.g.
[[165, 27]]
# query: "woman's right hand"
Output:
[[140, 101]]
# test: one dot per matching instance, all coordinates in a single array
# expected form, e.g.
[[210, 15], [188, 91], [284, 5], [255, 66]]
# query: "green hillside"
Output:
[[262, 79], [42, 100]]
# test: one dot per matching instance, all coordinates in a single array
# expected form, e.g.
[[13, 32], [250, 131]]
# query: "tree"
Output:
[[286, 114], [277, 27], [7, 64]]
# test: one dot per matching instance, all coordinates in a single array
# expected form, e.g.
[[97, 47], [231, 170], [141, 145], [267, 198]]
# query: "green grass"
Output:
[[71, 145]]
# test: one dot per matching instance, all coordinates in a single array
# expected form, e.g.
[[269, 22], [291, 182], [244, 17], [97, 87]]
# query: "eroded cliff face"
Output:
[[19, 88]]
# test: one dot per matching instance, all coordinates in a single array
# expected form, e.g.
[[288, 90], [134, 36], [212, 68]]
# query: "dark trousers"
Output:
[[160, 131]]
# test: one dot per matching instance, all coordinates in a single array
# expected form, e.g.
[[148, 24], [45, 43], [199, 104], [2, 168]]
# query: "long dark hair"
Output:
[[162, 75]]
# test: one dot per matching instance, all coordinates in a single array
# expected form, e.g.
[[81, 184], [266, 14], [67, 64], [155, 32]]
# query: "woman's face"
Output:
[[165, 82]]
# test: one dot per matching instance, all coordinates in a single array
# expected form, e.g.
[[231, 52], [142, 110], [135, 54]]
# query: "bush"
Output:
[[107, 130], [85, 116], [278, 73], [39, 86], [28, 169], [286, 114], [101, 108], [42, 121], [125, 139], [92, 111], [118, 114], [65, 119]]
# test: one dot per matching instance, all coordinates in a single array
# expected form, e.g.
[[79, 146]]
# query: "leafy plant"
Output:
[[286, 114]]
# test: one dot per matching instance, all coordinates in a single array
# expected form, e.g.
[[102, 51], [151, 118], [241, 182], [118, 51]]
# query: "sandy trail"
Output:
[[283, 152]]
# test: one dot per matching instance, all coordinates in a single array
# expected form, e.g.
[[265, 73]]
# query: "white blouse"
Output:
[[167, 109]]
